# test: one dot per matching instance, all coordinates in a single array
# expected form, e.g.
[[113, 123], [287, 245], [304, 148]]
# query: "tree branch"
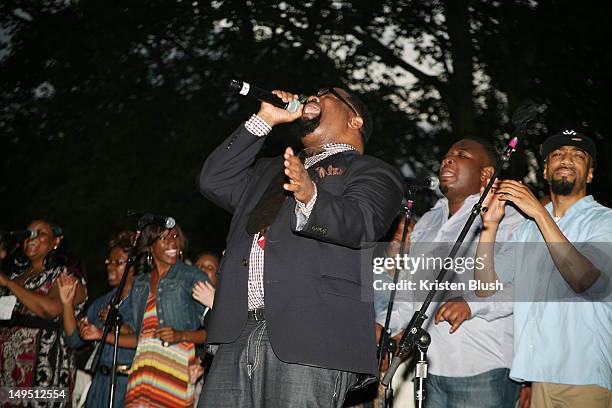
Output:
[[442, 44], [393, 60]]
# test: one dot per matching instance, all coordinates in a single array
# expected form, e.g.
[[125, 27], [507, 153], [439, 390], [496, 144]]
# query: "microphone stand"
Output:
[[114, 319], [420, 370], [386, 345], [413, 334]]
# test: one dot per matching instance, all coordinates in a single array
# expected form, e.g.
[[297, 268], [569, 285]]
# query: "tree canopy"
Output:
[[113, 105]]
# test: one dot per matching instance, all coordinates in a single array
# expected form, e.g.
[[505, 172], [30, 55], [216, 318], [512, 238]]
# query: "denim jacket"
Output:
[[124, 355], [175, 306]]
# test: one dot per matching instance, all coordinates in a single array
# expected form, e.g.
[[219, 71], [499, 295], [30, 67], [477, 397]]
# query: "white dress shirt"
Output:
[[482, 343]]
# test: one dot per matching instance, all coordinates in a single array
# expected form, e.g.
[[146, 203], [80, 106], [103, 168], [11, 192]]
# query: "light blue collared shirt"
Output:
[[561, 336]]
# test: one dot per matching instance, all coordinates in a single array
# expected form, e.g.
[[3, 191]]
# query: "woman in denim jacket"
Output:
[[98, 395], [167, 322]]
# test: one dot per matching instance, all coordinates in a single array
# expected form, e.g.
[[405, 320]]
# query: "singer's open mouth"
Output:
[[311, 110], [446, 173]]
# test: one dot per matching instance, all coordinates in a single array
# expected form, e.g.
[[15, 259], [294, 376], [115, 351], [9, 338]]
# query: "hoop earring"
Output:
[[149, 258], [181, 254]]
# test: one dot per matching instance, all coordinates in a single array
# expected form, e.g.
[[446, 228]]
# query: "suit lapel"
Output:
[[259, 183]]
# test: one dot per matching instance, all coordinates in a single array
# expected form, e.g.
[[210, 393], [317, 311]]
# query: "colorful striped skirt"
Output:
[[159, 375]]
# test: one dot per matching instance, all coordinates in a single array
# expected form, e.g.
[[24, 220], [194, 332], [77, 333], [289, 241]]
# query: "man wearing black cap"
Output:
[[559, 263], [289, 313]]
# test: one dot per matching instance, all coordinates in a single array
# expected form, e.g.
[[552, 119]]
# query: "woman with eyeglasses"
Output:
[[167, 322], [98, 395], [33, 352]]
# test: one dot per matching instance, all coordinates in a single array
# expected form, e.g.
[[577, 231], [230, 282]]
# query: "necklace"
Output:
[[123, 299]]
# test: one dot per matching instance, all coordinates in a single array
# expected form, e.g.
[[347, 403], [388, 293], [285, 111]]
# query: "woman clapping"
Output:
[[98, 395], [32, 350]]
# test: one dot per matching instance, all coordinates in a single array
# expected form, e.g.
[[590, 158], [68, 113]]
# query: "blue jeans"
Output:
[[491, 389], [247, 373]]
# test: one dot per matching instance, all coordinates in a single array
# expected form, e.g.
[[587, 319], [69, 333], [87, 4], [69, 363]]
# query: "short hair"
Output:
[[123, 240], [209, 253], [362, 110], [490, 150]]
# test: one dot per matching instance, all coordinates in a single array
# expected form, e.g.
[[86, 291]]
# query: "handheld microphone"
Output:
[[148, 218], [424, 183], [19, 235], [246, 89]]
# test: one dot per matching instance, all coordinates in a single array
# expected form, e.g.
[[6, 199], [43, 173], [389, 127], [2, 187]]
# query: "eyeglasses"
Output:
[[117, 262], [331, 90]]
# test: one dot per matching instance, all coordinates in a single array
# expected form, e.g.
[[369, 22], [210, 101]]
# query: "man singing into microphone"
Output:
[[289, 313], [560, 263], [471, 340]]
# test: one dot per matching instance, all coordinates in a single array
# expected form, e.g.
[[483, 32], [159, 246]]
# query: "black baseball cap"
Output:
[[569, 138]]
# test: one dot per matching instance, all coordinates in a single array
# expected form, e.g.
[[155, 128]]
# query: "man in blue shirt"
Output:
[[560, 266]]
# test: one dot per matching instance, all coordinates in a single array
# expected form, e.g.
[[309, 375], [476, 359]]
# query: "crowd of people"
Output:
[[162, 304], [291, 316]]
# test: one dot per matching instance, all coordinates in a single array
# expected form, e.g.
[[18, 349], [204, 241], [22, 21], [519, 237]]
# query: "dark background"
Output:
[[111, 105]]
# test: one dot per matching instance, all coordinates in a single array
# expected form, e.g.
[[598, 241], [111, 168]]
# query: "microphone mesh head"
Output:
[[170, 223], [235, 85], [434, 182], [293, 105], [524, 114]]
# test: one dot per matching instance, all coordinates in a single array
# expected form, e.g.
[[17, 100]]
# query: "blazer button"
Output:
[[245, 262]]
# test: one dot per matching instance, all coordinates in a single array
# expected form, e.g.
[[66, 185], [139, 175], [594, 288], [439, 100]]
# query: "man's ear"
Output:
[[355, 122], [590, 175]]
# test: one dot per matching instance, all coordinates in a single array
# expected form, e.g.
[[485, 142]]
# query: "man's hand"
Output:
[[521, 196], [455, 311], [299, 181], [496, 208], [275, 116]]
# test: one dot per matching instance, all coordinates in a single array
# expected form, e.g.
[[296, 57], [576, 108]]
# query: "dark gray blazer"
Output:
[[318, 305]]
